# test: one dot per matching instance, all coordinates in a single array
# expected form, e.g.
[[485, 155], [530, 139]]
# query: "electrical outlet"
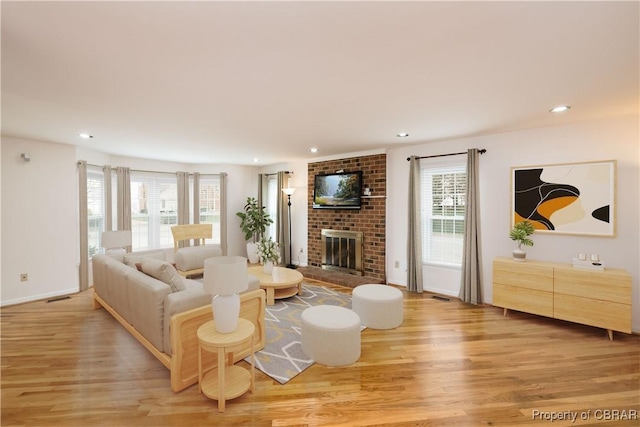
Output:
[[397, 264], [24, 277]]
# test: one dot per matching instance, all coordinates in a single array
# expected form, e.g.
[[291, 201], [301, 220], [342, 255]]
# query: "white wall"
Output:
[[616, 138], [39, 221]]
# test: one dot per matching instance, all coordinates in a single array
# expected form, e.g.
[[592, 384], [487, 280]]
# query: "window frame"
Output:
[[158, 232], [453, 240]]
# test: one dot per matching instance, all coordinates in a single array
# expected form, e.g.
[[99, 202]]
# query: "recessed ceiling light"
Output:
[[560, 108], [256, 160], [313, 149], [85, 135], [402, 135]]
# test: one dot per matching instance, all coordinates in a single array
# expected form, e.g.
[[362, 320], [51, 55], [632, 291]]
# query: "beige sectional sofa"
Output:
[[163, 316]]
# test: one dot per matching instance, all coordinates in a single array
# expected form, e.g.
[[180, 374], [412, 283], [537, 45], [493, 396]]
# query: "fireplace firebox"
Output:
[[342, 251]]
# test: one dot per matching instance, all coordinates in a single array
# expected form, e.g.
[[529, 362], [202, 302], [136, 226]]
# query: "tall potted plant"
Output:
[[253, 222], [520, 233]]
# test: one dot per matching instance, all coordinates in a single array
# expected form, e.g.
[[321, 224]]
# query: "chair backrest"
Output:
[[198, 232]]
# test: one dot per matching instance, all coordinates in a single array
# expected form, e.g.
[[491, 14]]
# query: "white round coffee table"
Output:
[[281, 283]]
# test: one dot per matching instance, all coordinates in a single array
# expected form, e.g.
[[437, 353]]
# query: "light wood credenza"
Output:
[[590, 297]]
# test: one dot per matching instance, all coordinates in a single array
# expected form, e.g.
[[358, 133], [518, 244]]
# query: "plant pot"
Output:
[[519, 255], [268, 267], [252, 252]]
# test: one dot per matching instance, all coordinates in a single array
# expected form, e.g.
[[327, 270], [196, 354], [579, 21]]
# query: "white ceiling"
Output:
[[226, 82]]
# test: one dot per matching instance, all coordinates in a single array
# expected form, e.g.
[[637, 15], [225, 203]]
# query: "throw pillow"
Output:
[[164, 272], [139, 265], [131, 259]]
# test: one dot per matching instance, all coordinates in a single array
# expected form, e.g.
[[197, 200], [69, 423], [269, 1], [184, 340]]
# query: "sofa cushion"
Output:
[[132, 258], [192, 257], [164, 272]]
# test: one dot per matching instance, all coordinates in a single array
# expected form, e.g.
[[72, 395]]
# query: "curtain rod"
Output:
[[480, 150], [276, 173], [139, 170]]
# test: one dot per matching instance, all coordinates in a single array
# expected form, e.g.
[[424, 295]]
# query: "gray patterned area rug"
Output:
[[282, 357]]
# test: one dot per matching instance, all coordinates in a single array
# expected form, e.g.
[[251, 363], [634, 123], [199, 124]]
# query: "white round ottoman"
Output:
[[379, 306], [331, 335]]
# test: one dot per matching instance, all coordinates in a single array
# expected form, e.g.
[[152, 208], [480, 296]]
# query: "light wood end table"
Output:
[[226, 381], [281, 283]]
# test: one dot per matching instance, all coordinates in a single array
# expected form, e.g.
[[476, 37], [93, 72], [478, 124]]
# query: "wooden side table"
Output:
[[226, 381]]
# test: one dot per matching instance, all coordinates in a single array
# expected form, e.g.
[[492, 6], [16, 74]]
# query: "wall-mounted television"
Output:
[[341, 190]]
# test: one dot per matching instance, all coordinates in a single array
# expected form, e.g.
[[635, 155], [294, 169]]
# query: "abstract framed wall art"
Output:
[[568, 198]]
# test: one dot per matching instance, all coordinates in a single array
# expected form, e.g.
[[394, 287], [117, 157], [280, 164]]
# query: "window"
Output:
[[443, 203], [154, 209], [272, 205], [210, 208], [95, 206]]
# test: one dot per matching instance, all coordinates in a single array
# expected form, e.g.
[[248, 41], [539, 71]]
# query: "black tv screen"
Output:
[[337, 190]]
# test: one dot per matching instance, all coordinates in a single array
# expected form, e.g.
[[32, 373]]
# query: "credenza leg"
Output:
[[610, 332]]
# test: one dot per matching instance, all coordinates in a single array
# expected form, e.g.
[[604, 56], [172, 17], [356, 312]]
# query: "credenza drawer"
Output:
[[593, 312], [522, 274], [523, 299], [608, 285]]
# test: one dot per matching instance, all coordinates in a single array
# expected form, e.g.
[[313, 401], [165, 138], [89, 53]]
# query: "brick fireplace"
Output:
[[369, 220]]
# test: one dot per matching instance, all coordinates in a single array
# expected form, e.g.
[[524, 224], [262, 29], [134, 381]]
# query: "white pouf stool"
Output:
[[331, 335], [379, 306]]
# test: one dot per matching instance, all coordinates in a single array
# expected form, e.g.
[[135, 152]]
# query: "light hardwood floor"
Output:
[[449, 364]]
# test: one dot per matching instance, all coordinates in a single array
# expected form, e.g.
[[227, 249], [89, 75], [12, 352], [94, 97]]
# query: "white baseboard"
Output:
[[39, 297]]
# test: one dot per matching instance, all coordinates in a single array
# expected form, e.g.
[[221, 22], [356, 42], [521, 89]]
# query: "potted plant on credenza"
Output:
[[253, 222], [520, 233]]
